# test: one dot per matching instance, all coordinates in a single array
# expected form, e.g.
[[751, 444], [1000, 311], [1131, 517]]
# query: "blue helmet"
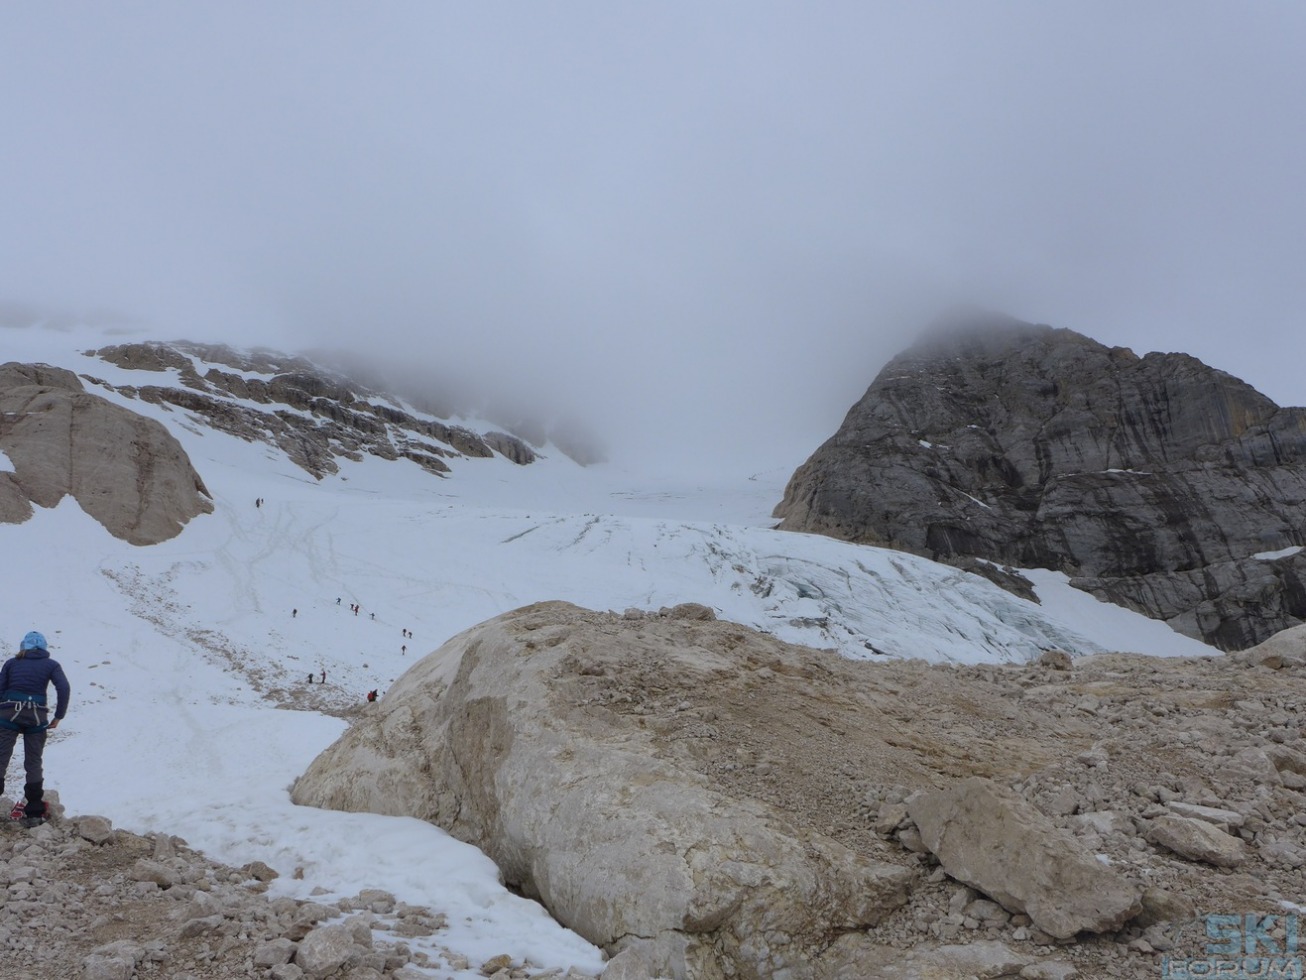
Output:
[[33, 641]]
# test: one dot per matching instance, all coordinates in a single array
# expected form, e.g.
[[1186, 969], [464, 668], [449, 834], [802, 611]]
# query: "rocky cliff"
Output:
[[126, 471], [129, 473], [312, 414], [1155, 482]]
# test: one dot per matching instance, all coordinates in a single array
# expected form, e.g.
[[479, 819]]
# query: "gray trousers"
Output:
[[33, 747]]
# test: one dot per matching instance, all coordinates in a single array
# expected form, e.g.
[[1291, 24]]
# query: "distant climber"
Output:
[[371, 695], [310, 678], [24, 680], [294, 613], [324, 677]]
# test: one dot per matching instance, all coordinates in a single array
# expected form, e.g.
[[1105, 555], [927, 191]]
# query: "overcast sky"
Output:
[[707, 224]]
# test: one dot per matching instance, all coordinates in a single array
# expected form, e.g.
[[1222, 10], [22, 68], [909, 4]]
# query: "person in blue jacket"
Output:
[[24, 681]]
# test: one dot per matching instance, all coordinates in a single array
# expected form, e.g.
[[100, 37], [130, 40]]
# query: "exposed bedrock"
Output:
[[1155, 482], [126, 471]]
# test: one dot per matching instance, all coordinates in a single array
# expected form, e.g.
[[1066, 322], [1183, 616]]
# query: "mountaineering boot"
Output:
[[35, 811]]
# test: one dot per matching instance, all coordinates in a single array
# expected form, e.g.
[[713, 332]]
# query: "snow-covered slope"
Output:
[[189, 660]]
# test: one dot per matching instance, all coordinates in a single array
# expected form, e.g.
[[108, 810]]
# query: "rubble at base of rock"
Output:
[[80, 899]]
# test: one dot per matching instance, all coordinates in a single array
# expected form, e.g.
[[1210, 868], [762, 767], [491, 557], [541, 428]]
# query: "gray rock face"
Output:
[[313, 412], [126, 471], [1152, 481], [510, 447]]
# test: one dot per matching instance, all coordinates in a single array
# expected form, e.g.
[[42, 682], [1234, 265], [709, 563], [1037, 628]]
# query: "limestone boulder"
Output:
[[1197, 840], [989, 838], [1214, 815], [1287, 648], [126, 471], [541, 738]]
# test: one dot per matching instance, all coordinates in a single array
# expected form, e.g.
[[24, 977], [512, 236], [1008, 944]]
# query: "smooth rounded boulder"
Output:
[[541, 737]]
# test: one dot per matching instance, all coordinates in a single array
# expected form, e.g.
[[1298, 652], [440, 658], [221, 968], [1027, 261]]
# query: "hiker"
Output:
[[294, 613], [374, 615], [371, 695], [403, 650], [310, 678], [24, 680], [337, 600], [324, 677]]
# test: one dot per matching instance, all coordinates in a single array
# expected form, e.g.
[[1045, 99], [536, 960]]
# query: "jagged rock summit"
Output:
[[126, 471], [1155, 482]]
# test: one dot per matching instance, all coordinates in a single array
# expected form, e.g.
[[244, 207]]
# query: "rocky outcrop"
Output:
[[507, 739], [126, 471], [1155, 482], [314, 414], [510, 447], [646, 774]]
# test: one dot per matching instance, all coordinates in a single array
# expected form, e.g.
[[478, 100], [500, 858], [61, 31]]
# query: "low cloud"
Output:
[[703, 229]]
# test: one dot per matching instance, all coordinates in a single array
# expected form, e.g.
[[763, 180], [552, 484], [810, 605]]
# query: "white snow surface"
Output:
[[1281, 553], [166, 735]]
